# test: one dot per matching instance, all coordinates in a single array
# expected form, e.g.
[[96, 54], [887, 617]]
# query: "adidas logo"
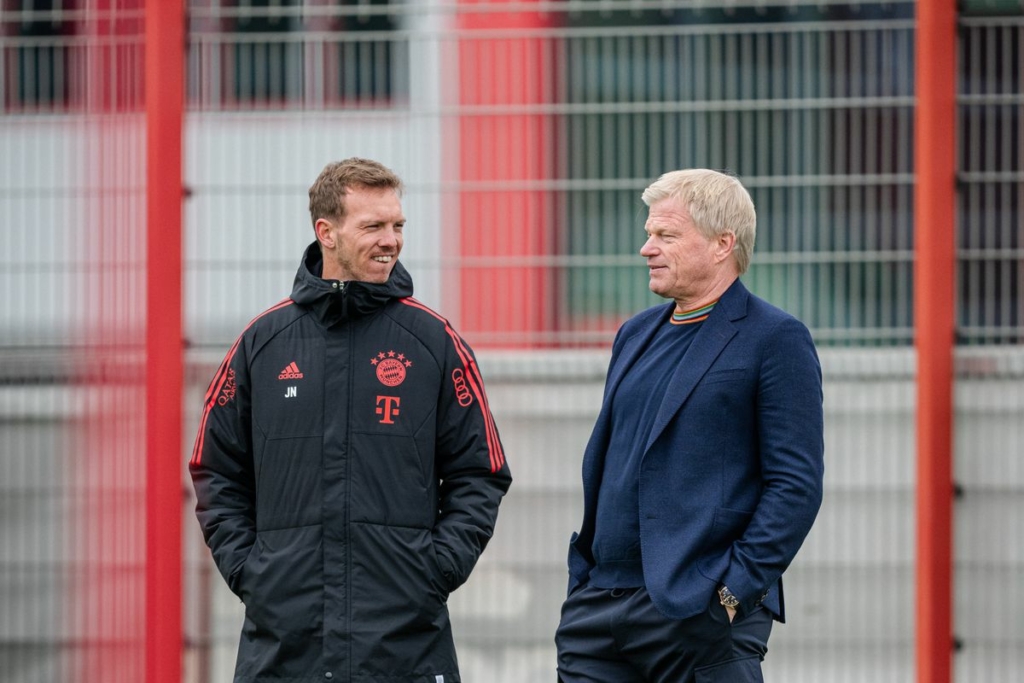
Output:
[[291, 372]]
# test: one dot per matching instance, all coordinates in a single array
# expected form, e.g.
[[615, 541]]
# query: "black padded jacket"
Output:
[[348, 473]]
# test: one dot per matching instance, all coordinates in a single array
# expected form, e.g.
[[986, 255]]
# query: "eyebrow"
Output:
[[661, 228]]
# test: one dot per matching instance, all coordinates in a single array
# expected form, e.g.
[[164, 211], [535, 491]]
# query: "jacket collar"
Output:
[[713, 336], [333, 301]]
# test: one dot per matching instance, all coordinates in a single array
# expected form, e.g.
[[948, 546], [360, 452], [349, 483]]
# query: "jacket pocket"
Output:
[[746, 669], [400, 625], [579, 568], [282, 582], [727, 375], [393, 481], [727, 526]]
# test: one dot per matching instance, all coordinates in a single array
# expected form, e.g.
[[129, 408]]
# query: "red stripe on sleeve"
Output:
[[218, 383], [495, 452]]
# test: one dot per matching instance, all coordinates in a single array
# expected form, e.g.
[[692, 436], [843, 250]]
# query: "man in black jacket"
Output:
[[347, 469]]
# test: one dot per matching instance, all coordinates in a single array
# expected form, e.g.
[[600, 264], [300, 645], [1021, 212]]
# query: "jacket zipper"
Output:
[[348, 488]]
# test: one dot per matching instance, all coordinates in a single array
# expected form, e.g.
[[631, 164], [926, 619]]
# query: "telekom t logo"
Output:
[[389, 409]]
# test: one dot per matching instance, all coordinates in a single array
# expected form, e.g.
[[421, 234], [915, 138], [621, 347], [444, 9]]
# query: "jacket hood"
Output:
[[334, 301]]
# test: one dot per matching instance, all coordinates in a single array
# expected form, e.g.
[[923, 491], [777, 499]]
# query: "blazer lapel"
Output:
[[632, 349], [714, 334], [593, 458]]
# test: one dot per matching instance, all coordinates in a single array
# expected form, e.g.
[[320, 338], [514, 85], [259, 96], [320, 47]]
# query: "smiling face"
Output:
[[684, 265], [364, 244]]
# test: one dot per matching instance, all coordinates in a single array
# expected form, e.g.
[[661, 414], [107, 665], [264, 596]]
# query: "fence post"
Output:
[[935, 141], [164, 83]]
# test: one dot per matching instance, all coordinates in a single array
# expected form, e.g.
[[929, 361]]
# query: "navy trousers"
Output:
[[618, 636]]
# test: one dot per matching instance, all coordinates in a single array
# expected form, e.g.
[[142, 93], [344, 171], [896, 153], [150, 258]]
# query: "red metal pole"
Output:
[[934, 313], [165, 47], [507, 155]]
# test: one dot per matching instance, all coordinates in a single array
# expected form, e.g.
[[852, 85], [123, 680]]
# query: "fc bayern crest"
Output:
[[391, 367]]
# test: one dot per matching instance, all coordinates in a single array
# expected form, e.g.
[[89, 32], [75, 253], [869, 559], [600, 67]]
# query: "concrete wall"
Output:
[[850, 592]]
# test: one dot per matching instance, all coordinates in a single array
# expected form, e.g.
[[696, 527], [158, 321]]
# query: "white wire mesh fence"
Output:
[[525, 132]]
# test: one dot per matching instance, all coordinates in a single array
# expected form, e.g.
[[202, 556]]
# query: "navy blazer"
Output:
[[731, 477]]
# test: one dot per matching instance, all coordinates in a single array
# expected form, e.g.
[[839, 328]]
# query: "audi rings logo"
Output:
[[461, 390], [391, 367]]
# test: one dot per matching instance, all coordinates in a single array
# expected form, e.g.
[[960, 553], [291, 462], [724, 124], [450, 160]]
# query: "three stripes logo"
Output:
[[291, 371]]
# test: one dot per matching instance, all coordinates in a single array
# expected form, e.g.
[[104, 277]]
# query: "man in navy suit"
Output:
[[703, 474]]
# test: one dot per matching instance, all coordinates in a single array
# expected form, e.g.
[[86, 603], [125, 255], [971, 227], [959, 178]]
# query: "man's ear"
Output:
[[725, 244], [324, 235]]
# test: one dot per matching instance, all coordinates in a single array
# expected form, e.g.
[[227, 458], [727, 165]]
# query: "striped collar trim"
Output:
[[695, 315]]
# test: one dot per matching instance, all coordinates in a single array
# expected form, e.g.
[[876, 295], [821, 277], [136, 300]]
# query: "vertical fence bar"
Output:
[[102, 633], [165, 40], [934, 306]]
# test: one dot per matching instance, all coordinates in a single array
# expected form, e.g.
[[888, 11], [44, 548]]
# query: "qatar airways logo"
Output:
[[227, 393]]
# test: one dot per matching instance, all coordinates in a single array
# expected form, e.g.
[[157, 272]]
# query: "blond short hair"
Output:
[[718, 203], [327, 193]]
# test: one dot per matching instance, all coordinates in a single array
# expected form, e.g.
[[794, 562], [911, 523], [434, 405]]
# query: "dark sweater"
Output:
[[616, 546]]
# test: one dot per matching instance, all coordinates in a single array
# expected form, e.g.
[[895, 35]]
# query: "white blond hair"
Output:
[[717, 203]]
